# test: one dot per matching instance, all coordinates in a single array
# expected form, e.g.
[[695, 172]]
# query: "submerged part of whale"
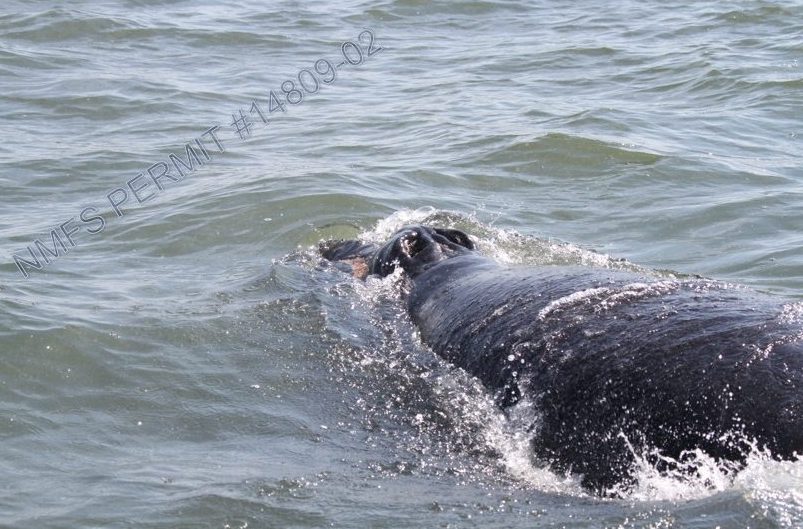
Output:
[[616, 363]]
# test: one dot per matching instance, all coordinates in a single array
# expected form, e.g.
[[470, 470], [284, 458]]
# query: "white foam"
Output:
[[608, 297], [792, 313], [506, 246], [775, 488], [511, 435], [572, 300]]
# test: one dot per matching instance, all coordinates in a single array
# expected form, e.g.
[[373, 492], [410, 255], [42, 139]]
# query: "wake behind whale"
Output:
[[620, 366]]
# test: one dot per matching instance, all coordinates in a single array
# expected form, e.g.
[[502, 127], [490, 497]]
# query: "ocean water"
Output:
[[173, 352]]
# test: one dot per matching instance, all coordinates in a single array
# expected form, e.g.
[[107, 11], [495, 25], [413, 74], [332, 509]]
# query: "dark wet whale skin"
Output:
[[633, 360]]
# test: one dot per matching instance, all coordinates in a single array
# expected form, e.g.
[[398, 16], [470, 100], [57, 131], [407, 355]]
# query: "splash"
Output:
[[775, 488], [506, 246]]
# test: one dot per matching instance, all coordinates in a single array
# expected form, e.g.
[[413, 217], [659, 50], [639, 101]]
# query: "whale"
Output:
[[618, 365]]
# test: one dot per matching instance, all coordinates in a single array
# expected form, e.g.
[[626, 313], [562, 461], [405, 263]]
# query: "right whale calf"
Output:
[[617, 364]]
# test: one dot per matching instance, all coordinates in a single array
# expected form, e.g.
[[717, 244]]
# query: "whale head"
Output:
[[412, 248]]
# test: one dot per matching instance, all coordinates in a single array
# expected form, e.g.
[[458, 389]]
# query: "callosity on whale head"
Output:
[[413, 248]]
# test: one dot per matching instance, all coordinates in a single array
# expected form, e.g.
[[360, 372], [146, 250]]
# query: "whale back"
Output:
[[616, 362]]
